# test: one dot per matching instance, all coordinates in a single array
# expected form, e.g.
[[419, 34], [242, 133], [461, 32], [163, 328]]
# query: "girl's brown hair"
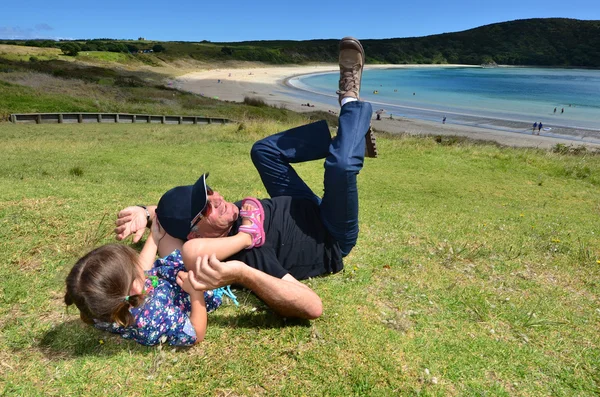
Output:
[[99, 284]]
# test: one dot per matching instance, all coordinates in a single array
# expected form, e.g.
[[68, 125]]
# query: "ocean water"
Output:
[[466, 94]]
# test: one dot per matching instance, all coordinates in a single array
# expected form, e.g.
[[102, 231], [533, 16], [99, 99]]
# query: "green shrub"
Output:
[[76, 171], [70, 49], [255, 101]]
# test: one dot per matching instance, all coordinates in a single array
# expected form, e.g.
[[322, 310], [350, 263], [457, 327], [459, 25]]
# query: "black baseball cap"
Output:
[[179, 206]]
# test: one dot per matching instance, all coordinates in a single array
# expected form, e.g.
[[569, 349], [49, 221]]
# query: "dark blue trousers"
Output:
[[344, 156]]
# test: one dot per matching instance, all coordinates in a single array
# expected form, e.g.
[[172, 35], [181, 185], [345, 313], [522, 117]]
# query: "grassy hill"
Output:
[[476, 271], [542, 42], [44, 80]]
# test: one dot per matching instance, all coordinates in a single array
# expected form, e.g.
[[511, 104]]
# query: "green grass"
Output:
[[61, 86], [105, 56], [476, 271]]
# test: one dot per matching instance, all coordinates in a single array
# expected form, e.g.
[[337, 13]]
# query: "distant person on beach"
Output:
[[534, 127], [555, 110], [562, 110], [540, 125], [305, 235], [444, 120]]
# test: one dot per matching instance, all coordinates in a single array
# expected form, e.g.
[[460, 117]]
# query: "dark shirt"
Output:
[[297, 242]]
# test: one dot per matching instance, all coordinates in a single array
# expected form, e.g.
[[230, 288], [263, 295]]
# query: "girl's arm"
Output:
[[198, 316], [222, 247], [148, 254]]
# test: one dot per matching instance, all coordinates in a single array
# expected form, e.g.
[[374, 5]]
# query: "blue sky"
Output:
[[237, 20]]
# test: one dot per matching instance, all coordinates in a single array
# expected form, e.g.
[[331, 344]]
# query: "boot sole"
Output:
[[371, 144]]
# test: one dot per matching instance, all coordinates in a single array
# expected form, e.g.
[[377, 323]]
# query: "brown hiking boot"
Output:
[[352, 60], [371, 145]]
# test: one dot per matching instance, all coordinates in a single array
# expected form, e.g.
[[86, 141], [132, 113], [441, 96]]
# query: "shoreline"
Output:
[[274, 85]]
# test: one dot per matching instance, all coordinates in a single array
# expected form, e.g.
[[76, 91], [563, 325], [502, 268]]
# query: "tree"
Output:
[[158, 48], [116, 47], [70, 49], [89, 46]]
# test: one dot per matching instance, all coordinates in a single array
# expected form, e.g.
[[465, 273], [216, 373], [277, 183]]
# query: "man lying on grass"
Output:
[[303, 235]]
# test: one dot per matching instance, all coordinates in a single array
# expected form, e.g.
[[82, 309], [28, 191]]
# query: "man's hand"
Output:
[[211, 273], [183, 280], [131, 220]]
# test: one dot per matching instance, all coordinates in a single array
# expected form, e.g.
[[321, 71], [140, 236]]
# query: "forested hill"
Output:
[[542, 42], [547, 42], [558, 42]]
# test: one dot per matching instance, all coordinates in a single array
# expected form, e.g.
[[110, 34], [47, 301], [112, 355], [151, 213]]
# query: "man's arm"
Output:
[[133, 220], [286, 296]]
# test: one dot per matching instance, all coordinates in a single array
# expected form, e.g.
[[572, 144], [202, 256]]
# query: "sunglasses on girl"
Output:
[[205, 212]]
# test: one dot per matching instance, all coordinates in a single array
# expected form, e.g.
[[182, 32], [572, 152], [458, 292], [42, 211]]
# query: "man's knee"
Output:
[[343, 167], [259, 150]]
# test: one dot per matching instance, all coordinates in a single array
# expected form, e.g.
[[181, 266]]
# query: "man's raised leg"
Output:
[[273, 156], [339, 206]]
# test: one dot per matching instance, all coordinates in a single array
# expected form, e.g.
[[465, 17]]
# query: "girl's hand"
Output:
[[157, 231], [183, 280]]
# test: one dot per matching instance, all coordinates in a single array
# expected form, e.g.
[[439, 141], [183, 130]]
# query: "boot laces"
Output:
[[348, 80]]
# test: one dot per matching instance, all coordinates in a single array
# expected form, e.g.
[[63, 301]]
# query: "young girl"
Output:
[[149, 301]]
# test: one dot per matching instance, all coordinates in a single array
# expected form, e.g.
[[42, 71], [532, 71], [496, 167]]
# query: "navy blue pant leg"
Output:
[[273, 156], [339, 206], [344, 157]]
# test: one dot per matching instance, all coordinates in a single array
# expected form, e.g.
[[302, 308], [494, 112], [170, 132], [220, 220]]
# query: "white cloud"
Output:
[[15, 32], [43, 26], [20, 33]]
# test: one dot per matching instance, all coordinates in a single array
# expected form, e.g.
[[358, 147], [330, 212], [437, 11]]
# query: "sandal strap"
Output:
[[254, 213], [255, 232], [256, 217]]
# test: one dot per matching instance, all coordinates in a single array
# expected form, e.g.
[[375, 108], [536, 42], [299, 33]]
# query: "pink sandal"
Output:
[[256, 216]]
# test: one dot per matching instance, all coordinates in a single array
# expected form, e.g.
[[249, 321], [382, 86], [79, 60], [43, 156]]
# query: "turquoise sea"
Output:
[[505, 97]]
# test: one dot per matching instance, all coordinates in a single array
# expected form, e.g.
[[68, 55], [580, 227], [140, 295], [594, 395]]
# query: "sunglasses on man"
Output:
[[205, 212]]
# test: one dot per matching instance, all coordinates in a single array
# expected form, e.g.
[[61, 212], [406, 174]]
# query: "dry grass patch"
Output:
[[23, 50]]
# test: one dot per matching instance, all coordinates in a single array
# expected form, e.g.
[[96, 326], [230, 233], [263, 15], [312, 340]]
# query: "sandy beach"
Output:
[[272, 84]]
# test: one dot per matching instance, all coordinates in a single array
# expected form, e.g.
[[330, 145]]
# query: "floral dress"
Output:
[[164, 317]]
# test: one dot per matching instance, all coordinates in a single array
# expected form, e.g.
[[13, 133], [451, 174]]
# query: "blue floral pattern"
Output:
[[164, 317]]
